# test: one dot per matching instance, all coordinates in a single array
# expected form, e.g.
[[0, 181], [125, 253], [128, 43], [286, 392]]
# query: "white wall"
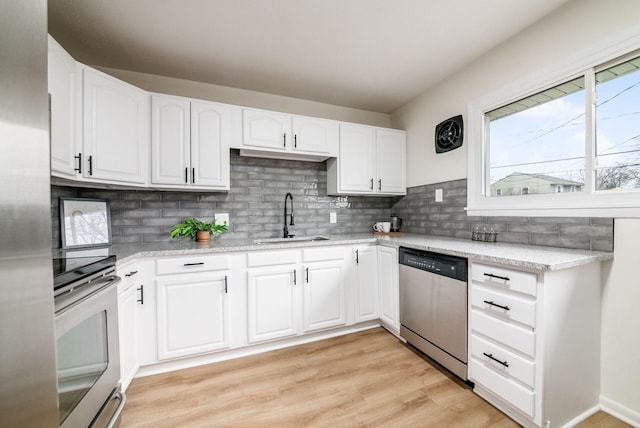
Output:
[[242, 97], [620, 381], [566, 32]]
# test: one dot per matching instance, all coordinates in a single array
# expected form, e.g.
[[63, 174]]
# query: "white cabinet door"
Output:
[[210, 134], [128, 331], [192, 314], [391, 161], [116, 129], [170, 140], [388, 277], [315, 135], [267, 129], [62, 74], [366, 282], [273, 302], [357, 158], [324, 295]]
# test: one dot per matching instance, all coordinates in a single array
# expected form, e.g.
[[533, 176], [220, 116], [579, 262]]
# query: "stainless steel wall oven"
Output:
[[87, 351]]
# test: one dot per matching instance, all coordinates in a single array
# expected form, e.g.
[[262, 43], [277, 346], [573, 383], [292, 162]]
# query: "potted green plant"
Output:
[[198, 229]]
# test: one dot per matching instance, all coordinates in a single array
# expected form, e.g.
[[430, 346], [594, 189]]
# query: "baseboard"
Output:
[[583, 416], [621, 412], [198, 360]]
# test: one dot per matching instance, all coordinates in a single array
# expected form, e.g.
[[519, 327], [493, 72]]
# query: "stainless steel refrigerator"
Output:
[[28, 396]]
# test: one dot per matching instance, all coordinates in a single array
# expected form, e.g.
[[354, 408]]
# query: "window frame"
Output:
[[586, 203]]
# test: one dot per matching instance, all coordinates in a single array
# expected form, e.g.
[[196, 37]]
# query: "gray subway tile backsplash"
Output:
[[255, 205]]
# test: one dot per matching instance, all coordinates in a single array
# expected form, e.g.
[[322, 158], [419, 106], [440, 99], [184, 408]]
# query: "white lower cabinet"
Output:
[[365, 281], [324, 288], [192, 314], [534, 341], [292, 292], [273, 302], [130, 291], [388, 278], [191, 297], [193, 306]]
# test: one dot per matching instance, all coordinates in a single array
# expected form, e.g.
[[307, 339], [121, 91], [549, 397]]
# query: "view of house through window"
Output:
[[538, 144], [618, 126]]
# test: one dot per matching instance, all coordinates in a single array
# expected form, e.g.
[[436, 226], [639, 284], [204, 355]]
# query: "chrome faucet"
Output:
[[286, 228]]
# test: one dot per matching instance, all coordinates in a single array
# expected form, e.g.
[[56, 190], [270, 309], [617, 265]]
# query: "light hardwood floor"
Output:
[[366, 379]]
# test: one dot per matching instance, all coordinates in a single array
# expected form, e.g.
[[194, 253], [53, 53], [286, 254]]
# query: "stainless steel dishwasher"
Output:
[[433, 306]]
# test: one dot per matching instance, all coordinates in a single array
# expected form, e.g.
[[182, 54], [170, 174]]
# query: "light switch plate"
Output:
[[220, 218], [333, 218], [438, 195]]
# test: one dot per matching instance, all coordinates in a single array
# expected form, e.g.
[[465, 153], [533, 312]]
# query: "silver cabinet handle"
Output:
[[380, 184], [284, 139], [371, 186], [295, 281]]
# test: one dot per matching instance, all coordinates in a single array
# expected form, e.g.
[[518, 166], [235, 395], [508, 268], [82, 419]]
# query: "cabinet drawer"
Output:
[[514, 365], [514, 394], [322, 254], [191, 264], [509, 334], [269, 258], [505, 305], [507, 279]]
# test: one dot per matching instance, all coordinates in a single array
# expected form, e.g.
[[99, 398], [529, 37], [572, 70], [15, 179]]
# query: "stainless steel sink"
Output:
[[294, 239]]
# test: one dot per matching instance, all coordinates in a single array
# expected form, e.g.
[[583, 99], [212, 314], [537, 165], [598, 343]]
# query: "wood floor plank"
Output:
[[365, 379]]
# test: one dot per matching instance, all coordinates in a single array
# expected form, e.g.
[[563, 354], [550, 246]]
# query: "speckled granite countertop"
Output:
[[522, 256]]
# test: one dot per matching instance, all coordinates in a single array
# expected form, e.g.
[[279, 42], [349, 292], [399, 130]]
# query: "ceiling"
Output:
[[369, 54]]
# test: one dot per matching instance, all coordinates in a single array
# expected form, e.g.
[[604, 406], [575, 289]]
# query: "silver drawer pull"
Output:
[[490, 275], [504, 363], [194, 264], [131, 273], [488, 302]]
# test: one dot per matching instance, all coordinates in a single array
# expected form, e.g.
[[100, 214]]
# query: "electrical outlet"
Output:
[[220, 218], [333, 218], [438, 195]]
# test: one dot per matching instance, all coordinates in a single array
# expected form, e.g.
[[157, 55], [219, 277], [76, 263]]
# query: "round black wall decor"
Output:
[[449, 134]]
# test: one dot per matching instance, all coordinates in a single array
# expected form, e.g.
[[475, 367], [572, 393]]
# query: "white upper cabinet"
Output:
[[190, 143], [357, 158], [266, 129], [62, 79], [391, 161], [116, 129], [210, 135], [315, 135], [372, 161], [281, 135], [170, 140]]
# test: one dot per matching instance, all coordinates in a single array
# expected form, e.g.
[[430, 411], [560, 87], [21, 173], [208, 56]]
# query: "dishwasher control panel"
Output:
[[441, 264]]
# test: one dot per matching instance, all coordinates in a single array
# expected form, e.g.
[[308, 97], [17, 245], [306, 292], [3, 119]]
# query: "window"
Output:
[[536, 141], [571, 148], [618, 126]]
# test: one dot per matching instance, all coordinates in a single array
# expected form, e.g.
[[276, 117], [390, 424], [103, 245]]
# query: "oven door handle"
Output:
[[123, 400], [96, 287]]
